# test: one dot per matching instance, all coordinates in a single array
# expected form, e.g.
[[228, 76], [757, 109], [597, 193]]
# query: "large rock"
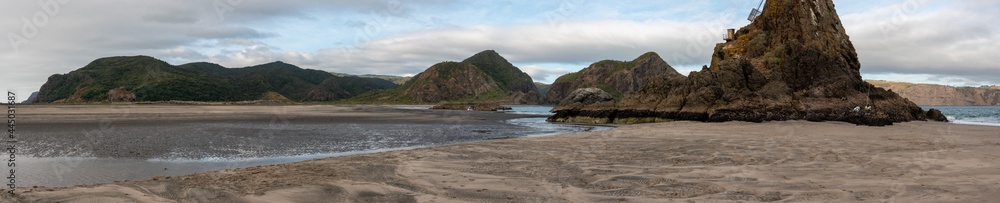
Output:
[[794, 62], [615, 77], [936, 115]]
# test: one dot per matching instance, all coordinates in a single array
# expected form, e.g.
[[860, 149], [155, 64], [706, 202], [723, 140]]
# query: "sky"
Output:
[[921, 41]]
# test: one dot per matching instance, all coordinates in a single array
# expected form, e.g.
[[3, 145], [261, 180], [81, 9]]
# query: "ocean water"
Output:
[[970, 115]]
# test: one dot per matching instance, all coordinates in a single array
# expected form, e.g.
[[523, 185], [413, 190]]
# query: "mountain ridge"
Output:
[[151, 79], [943, 95]]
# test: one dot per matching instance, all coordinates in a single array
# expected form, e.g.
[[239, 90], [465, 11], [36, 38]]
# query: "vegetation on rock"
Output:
[[615, 77]]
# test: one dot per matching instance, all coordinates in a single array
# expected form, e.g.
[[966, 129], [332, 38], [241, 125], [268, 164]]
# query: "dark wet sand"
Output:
[[663, 162], [194, 132]]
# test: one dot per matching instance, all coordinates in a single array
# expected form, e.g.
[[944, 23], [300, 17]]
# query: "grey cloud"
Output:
[[946, 42], [171, 17]]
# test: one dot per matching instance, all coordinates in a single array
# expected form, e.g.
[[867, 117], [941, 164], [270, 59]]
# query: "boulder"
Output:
[[935, 115], [588, 96]]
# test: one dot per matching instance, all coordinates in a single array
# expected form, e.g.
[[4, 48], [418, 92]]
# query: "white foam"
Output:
[[964, 122]]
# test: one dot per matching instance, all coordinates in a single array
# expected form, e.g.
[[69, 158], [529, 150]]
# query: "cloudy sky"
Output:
[[926, 41]]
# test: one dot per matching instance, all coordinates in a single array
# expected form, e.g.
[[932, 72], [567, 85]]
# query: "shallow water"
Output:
[[68, 164], [970, 115]]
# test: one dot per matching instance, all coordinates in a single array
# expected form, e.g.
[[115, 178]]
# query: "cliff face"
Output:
[[940, 95], [615, 77], [795, 61], [148, 79]]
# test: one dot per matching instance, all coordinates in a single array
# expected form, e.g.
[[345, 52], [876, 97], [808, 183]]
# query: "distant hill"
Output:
[[484, 77], [941, 95], [31, 98], [615, 77], [542, 88], [398, 80], [151, 79]]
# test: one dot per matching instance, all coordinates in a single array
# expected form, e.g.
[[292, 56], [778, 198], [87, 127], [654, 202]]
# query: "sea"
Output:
[[70, 171], [970, 115]]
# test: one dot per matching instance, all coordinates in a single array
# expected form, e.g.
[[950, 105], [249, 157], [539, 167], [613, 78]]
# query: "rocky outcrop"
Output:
[[449, 81], [614, 77], [120, 95], [941, 95], [794, 62], [936, 115], [484, 77], [588, 96]]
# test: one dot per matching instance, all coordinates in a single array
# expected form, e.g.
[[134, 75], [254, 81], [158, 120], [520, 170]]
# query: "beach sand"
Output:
[[794, 161]]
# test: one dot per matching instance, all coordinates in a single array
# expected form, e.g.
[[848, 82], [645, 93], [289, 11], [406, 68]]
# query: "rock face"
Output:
[[151, 79], [615, 77], [120, 95], [794, 62], [588, 96], [940, 95]]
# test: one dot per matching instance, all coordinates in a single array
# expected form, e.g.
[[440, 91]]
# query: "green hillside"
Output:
[[151, 79]]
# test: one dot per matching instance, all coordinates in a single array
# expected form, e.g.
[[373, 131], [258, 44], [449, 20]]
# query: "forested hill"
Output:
[[151, 79]]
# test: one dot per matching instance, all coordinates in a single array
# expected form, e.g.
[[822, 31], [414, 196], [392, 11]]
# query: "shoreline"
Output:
[[680, 161]]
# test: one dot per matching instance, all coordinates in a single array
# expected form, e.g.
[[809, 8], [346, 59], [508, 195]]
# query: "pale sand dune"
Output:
[[681, 161]]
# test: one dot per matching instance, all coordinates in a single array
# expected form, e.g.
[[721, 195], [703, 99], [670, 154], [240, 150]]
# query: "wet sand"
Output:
[[680, 161], [197, 132]]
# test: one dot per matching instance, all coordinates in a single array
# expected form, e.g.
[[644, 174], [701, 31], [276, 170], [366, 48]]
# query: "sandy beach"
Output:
[[793, 161]]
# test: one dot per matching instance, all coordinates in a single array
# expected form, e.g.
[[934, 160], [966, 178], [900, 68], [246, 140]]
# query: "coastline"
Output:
[[679, 161]]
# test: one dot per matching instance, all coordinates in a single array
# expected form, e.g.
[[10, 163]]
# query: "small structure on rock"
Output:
[[755, 12], [730, 35]]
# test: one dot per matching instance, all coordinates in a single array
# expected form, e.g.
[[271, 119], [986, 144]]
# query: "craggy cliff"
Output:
[[794, 62], [940, 95], [615, 77]]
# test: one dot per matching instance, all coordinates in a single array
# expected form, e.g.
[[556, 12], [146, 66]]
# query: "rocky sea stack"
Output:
[[615, 77], [794, 62]]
